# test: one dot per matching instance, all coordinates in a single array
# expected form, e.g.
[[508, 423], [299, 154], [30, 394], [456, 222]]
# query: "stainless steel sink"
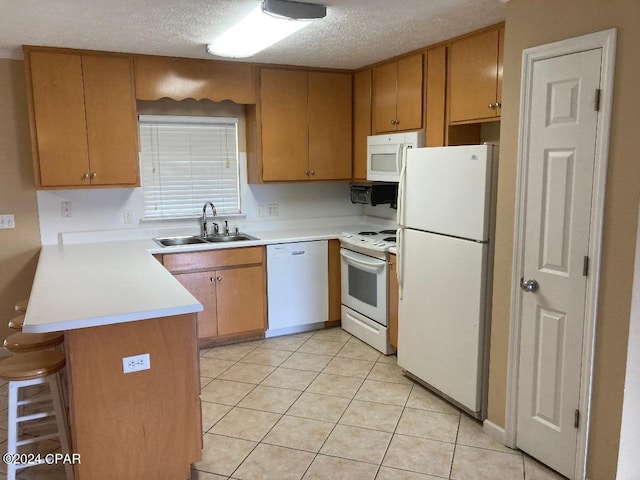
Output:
[[173, 241], [229, 238], [196, 239]]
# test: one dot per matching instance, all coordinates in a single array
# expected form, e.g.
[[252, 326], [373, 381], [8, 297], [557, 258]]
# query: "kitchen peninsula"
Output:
[[114, 300]]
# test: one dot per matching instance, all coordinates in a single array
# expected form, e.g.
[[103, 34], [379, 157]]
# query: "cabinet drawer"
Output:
[[212, 259]]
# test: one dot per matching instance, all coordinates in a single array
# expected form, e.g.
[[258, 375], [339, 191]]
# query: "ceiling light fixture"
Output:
[[267, 24]]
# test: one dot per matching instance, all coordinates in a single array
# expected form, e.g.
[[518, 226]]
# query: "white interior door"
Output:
[[560, 171]]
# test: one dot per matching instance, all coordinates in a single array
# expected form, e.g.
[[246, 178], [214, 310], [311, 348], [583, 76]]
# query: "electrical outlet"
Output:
[[128, 217], [260, 210], [273, 210], [136, 363], [7, 221], [65, 209]]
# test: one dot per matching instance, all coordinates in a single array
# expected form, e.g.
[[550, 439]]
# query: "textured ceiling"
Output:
[[354, 33]]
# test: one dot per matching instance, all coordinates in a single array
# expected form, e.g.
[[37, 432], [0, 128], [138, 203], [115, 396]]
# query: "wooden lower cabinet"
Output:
[[393, 302], [231, 286], [145, 424], [240, 293]]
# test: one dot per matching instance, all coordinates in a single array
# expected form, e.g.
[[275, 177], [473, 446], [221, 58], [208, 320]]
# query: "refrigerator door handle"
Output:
[[399, 261], [402, 158]]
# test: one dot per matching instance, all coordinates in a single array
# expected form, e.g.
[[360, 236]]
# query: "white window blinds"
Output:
[[186, 162]]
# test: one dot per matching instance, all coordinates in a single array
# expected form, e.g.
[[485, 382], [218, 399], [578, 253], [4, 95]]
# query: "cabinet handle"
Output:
[[218, 278], [86, 176], [212, 279], [498, 105], [306, 172], [93, 175], [491, 106], [313, 172], [395, 122]]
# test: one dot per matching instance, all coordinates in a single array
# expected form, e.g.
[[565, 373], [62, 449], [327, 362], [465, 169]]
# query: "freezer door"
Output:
[[447, 190], [442, 314]]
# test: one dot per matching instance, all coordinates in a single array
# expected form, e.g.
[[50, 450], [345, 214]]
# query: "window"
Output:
[[186, 162]]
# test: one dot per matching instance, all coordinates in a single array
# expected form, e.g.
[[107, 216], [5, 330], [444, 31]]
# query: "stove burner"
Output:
[[367, 233], [388, 232], [389, 239]]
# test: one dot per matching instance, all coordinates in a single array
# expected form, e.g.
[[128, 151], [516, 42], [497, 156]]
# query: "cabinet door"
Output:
[[58, 120], [241, 300], [202, 286], [283, 118], [361, 122], [500, 65], [112, 128], [329, 106], [435, 123], [393, 302], [474, 74], [384, 97], [409, 93]]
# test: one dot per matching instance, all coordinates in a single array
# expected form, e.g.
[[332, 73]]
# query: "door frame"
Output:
[[606, 40]]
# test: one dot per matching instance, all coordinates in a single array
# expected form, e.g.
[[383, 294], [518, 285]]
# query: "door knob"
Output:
[[530, 286], [219, 278]]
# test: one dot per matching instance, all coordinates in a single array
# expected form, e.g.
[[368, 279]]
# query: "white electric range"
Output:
[[364, 258]]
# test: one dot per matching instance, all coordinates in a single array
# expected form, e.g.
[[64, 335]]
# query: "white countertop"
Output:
[[94, 284]]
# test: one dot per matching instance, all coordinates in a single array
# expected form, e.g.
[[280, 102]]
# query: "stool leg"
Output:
[[61, 419], [12, 433]]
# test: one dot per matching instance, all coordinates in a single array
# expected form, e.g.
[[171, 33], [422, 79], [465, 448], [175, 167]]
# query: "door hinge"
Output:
[[576, 419], [585, 266], [596, 100]]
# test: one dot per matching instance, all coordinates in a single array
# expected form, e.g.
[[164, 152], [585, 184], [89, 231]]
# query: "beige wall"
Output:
[[18, 247], [530, 24]]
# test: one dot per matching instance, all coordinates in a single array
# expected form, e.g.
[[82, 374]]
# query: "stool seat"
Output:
[[17, 322], [27, 342], [21, 306], [30, 365]]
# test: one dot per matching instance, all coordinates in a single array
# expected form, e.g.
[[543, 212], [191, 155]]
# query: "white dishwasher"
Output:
[[297, 286]]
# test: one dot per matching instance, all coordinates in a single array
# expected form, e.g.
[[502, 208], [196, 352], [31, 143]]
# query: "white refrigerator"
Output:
[[445, 218]]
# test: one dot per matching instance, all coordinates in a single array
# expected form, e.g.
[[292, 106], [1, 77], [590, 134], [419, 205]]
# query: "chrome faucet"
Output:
[[204, 217]]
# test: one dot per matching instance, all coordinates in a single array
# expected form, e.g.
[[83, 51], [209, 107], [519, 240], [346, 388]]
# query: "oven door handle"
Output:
[[374, 265]]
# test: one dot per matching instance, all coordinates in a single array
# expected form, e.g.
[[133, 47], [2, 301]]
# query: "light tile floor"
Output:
[[324, 405]]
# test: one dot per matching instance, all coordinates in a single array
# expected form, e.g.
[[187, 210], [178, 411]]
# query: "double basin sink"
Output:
[[198, 239]]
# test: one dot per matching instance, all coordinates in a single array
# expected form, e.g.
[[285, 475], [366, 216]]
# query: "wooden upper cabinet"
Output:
[[112, 125], [283, 124], [397, 95], [329, 105], [83, 119], [475, 73], [436, 87], [303, 125], [181, 78], [361, 122]]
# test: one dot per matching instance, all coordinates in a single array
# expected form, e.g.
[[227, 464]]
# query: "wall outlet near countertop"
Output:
[[273, 210], [65, 209], [136, 363], [7, 221], [260, 210], [128, 217]]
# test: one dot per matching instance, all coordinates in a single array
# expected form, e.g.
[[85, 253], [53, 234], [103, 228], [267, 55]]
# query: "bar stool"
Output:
[[29, 342], [16, 322], [25, 370], [21, 306]]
